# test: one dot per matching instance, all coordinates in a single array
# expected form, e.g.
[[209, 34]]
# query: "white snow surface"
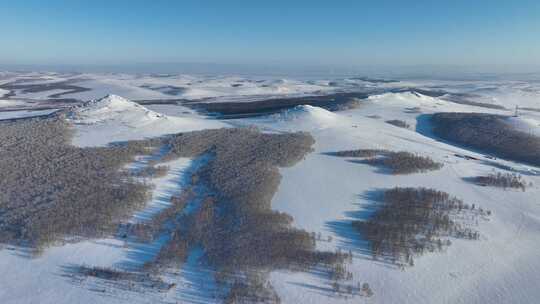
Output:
[[323, 194]]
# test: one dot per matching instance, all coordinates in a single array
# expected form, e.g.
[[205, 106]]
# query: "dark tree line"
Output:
[[489, 133]]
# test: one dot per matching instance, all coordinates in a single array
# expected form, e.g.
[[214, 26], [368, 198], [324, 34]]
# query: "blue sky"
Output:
[[340, 33]]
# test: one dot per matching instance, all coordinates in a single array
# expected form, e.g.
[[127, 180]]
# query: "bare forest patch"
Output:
[[52, 190], [397, 162], [241, 236], [501, 180], [409, 222], [398, 123], [489, 133]]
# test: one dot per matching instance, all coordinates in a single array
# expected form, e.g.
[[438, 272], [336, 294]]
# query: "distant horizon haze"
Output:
[[341, 35]]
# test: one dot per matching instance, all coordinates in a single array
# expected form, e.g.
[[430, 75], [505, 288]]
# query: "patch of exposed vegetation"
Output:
[[374, 80], [465, 99], [413, 110], [398, 123], [52, 190], [254, 289], [409, 222], [374, 116], [397, 162], [404, 162], [358, 153], [152, 171], [489, 133], [503, 180], [133, 281], [530, 109], [350, 104]]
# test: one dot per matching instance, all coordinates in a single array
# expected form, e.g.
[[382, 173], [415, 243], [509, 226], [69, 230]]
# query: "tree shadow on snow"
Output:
[[352, 239]]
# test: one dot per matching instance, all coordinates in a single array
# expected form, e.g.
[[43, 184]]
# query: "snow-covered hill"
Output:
[[114, 118], [304, 117]]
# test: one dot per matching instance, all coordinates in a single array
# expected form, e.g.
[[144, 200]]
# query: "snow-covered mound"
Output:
[[114, 118], [404, 99], [113, 107], [306, 112], [302, 117], [305, 117]]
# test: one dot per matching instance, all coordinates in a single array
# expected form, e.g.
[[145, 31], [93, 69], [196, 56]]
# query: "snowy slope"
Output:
[[322, 192]]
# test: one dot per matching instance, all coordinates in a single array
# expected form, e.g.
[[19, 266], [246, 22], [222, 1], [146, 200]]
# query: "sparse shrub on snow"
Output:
[[503, 180], [134, 281], [359, 153], [153, 171], [398, 162], [404, 162], [398, 123]]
